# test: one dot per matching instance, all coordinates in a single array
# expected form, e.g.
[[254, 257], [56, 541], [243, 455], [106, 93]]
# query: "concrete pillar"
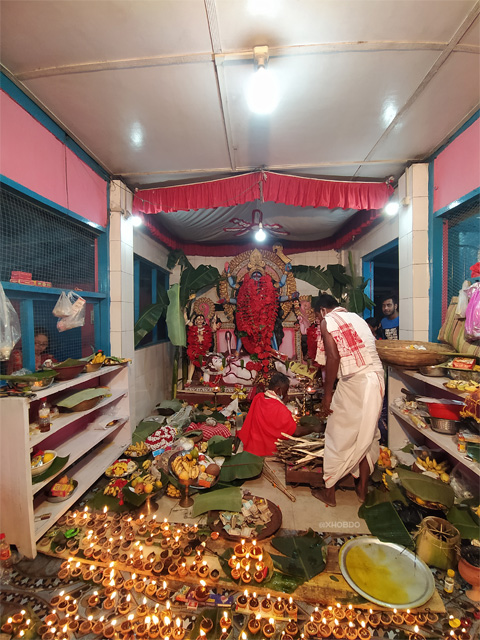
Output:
[[414, 278]]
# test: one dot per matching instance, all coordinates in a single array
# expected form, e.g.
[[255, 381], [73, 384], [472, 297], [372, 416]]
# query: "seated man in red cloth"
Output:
[[268, 418]]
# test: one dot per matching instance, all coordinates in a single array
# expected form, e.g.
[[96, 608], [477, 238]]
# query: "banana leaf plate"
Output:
[[386, 573]]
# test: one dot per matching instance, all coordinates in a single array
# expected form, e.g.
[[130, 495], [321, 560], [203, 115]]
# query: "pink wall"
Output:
[[457, 168], [36, 159]]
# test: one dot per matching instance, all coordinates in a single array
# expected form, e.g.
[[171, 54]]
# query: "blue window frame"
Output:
[[56, 247], [147, 278]]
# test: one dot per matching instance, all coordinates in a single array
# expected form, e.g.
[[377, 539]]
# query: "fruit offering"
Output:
[[98, 358], [41, 458], [114, 487], [145, 484], [136, 450], [186, 467], [172, 491], [463, 385], [425, 503], [428, 464], [385, 459], [120, 468]]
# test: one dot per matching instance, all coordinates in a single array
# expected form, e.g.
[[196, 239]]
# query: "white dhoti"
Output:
[[352, 432]]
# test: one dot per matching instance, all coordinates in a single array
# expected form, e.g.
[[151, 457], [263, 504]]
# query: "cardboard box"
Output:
[[24, 275]]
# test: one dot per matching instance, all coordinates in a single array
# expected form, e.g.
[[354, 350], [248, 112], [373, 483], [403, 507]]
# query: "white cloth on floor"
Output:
[[352, 433]]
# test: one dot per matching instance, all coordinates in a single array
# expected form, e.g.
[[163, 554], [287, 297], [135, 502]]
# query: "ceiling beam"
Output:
[[234, 56], [434, 69]]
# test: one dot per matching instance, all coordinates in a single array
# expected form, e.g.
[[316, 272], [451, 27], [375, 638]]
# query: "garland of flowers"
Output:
[[313, 334], [256, 314], [197, 349]]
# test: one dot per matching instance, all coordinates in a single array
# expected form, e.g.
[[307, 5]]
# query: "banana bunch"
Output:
[[463, 385], [172, 491], [98, 358], [430, 464], [136, 450], [185, 468], [114, 487], [146, 464]]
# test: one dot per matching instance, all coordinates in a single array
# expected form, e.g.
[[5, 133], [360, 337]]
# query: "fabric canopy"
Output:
[[264, 186]]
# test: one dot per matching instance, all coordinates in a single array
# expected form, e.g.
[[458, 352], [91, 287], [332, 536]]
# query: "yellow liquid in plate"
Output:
[[385, 574]]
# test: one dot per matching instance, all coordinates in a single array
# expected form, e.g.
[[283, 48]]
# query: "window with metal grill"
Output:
[[148, 277]]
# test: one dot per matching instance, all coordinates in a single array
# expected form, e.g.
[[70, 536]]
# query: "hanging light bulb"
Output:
[[262, 92], [260, 235], [136, 221]]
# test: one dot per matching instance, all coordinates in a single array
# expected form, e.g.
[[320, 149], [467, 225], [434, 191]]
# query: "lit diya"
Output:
[[291, 628], [291, 608], [364, 633], [255, 551], [338, 631], [311, 628], [240, 549], [269, 628], [254, 624], [242, 600], [206, 624], [225, 621], [351, 632], [253, 603], [178, 631], [201, 592], [203, 570], [266, 605], [324, 629]]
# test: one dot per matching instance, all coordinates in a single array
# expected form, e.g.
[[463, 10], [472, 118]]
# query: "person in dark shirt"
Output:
[[390, 321]]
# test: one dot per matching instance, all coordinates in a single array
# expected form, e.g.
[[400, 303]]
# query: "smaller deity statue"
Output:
[[199, 341]]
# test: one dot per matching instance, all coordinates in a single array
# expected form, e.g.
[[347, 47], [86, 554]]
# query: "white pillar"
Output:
[[414, 277]]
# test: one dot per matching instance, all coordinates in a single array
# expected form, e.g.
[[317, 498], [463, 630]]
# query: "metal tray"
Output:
[[386, 573], [51, 498]]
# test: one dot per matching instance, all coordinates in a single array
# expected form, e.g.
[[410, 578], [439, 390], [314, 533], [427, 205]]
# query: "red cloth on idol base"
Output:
[[266, 420]]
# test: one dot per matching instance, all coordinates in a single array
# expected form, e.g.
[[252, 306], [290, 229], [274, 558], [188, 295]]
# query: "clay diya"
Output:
[[338, 631], [269, 628], [178, 632], [203, 570], [240, 549], [214, 575], [242, 600], [255, 551], [109, 632], [151, 589], [397, 618], [173, 569], [253, 603], [386, 618], [139, 586], [291, 608], [254, 624], [201, 592], [409, 618], [325, 629], [311, 628], [246, 577], [279, 607], [98, 628], [236, 573], [206, 625], [266, 605], [421, 618], [193, 569], [291, 628], [364, 633], [350, 613], [232, 563], [374, 620], [162, 593], [351, 632], [225, 622]]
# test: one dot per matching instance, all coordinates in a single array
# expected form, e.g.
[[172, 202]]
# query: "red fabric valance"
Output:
[[272, 187]]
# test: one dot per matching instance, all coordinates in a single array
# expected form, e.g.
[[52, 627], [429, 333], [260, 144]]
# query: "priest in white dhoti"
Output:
[[347, 350]]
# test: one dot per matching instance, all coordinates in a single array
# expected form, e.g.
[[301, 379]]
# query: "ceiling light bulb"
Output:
[[391, 208], [260, 235], [262, 92], [136, 221]]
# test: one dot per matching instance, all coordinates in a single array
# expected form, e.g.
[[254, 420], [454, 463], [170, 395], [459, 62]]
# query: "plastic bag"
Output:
[[76, 317], [9, 326], [64, 305], [462, 300], [472, 314]]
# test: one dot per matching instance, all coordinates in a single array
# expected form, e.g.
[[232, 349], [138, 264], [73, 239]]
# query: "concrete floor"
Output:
[[306, 512]]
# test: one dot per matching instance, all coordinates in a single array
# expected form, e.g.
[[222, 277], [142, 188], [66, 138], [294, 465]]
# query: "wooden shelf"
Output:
[[85, 473], [447, 443], [76, 447], [435, 382], [68, 418], [67, 384]]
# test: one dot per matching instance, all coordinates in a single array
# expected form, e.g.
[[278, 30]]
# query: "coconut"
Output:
[[213, 470]]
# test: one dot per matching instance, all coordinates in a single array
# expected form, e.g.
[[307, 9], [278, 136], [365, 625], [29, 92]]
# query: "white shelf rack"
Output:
[[91, 452]]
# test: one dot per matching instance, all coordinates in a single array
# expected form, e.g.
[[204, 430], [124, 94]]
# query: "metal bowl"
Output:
[[464, 374], [432, 371], [90, 367], [442, 425]]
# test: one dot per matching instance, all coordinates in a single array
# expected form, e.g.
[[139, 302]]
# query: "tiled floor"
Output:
[[306, 512]]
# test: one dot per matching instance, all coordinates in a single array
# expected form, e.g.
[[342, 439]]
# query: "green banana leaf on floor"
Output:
[[303, 555], [220, 446], [426, 488], [241, 466], [227, 499], [465, 520], [384, 522]]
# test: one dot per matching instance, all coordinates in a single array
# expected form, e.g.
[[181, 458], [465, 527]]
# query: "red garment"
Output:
[[15, 363], [267, 419]]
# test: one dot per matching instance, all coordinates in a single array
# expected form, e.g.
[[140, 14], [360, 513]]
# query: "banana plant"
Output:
[[348, 288], [174, 302]]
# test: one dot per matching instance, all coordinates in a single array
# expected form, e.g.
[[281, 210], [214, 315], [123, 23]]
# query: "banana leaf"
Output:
[[426, 488], [228, 499], [201, 417], [56, 466], [69, 362], [220, 446], [465, 520], [150, 316], [177, 256], [215, 616], [194, 280], [241, 466], [384, 522], [137, 499], [175, 320], [318, 277], [80, 396], [144, 429], [31, 377], [175, 405], [304, 555]]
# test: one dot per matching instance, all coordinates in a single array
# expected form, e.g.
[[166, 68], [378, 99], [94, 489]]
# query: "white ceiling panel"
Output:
[[57, 33], [437, 112], [291, 22], [332, 107], [140, 120], [472, 36]]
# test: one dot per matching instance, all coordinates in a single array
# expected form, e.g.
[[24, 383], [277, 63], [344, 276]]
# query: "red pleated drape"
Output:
[[272, 187]]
